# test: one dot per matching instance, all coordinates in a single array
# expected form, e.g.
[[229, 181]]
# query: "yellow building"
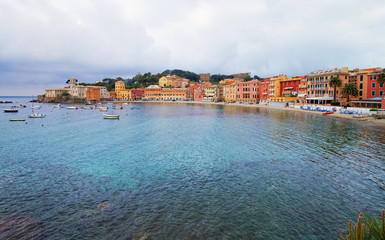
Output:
[[210, 93], [121, 92], [173, 81], [275, 86], [230, 91]]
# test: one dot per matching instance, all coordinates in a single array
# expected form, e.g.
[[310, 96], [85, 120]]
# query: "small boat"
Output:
[[17, 120], [35, 107], [110, 116], [21, 106], [13, 109], [134, 108], [103, 109], [58, 106], [117, 107], [36, 115], [72, 108], [326, 113]]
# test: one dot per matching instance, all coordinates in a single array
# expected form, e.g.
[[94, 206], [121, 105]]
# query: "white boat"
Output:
[[13, 109], [117, 107], [35, 107], [58, 106], [110, 116], [72, 108], [36, 115]]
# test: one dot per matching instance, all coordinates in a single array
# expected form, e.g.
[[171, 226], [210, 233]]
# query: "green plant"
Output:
[[367, 228], [334, 103], [65, 93], [349, 90], [335, 82]]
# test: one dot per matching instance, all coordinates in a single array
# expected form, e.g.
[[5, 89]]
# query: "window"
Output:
[[381, 85], [373, 93], [361, 85], [381, 93], [373, 85], [360, 93], [361, 78]]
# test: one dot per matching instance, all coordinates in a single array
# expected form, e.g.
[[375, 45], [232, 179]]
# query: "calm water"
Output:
[[185, 171]]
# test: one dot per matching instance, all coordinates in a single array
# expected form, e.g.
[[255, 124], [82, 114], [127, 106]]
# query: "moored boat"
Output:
[[72, 108], [13, 109], [35, 107], [17, 120], [110, 116], [36, 115], [326, 113]]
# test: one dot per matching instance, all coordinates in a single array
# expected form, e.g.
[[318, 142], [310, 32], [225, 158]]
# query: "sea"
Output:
[[185, 171]]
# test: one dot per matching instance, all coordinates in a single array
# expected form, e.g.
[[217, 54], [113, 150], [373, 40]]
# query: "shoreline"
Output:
[[334, 115]]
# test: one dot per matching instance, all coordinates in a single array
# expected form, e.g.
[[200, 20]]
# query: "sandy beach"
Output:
[[335, 115]]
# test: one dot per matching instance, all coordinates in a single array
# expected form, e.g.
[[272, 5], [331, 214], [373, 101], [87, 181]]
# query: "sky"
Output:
[[45, 42]]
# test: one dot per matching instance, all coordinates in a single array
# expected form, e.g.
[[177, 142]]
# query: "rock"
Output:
[[104, 206]]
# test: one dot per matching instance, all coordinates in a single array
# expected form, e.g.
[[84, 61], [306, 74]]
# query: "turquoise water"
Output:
[[187, 171]]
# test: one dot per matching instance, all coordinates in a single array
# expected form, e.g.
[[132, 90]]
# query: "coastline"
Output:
[[335, 115]]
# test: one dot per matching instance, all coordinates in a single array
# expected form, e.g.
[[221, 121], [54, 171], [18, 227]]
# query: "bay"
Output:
[[188, 171]]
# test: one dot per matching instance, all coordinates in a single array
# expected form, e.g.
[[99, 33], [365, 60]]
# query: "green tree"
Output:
[[381, 78], [349, 90], [335, 82], [65, 93], [247, 78]]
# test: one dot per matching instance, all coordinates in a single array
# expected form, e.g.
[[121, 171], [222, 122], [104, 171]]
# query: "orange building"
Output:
[[153, 92], [264, 90], [174, 94], [93, 94]]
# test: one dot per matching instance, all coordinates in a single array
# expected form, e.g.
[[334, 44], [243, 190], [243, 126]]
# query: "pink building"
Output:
[[248, 91]]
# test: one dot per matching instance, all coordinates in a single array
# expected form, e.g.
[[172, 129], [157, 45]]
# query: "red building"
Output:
[[93, 94], [289, 87], [248, 91], [374, 89], [264, 90], [137, 94]]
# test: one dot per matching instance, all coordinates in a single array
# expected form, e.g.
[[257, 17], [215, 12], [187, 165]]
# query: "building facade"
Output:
[[319, 90], [248, 91]]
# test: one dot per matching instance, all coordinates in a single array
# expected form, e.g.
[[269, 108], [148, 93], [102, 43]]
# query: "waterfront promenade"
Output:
[[335, 115]]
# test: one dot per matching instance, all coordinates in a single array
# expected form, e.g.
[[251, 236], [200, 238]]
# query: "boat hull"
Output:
[[106, 116]]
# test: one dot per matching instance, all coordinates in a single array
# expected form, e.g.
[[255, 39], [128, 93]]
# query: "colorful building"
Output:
[[168, 94], [264, 90], [302, 90], [137, 94], [93, 94], [275, 87], [153, 92], [76, 91], [173, 81], [319, 90], [121, 92], [210, 93], [248, 91], [230, 91]]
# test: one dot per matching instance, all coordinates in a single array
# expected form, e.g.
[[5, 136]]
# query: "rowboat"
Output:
[[17, 120], [72, 108], [110, 116], [326, 113]]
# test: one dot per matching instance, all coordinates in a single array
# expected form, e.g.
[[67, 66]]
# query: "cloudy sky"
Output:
[[45, 42]]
